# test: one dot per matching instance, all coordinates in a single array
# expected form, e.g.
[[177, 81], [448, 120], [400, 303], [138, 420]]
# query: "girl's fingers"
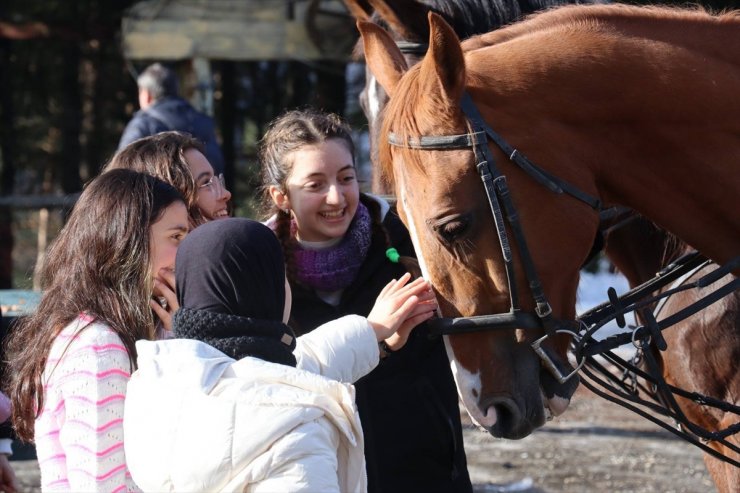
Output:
[[387, 288], [397, 340], [168, 276], [417, 288], [407, 307], [424, 306], [163, 290], [164, 315], [397, 284], [413, 321], [158, 310]]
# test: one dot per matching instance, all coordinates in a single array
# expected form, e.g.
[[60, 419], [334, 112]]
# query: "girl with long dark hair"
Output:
[[71, 360]]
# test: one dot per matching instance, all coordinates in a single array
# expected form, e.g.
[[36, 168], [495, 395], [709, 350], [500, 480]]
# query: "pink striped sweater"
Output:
[[79, 433]]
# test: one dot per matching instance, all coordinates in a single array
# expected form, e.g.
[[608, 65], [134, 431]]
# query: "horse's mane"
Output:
[[471, 17], [577, 15], [405, 124]]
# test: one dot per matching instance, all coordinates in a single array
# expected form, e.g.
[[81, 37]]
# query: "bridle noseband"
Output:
[[503, 212]]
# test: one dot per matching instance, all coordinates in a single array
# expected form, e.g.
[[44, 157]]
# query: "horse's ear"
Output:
[[407, 18], [444, 61], [361, 10], [385, 60]]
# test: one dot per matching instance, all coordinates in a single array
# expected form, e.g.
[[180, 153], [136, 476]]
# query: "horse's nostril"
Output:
[[508, 417], [507, 411]]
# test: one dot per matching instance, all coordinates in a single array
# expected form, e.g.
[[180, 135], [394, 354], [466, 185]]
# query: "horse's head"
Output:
[[501, 380]]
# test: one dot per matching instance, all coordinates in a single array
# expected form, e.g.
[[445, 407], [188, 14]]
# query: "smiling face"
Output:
[[212, 196], [321, 190], [165, 236]]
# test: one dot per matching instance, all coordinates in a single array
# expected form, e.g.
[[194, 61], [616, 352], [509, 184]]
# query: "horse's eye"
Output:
[[452, 228]]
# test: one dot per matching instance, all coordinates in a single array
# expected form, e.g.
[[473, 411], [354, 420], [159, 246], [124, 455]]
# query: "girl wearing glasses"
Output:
[[178, 158]]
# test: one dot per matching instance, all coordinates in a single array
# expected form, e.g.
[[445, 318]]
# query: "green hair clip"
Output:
[[392, 255]]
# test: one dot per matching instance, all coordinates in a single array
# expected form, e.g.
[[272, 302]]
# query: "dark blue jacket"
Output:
[[408, 405], [173, 113]]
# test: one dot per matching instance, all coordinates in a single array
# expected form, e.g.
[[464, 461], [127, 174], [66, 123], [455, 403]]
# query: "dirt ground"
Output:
[[596, 446]]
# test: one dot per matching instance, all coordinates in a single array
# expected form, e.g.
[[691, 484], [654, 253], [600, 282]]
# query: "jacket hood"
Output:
[[195, 419]]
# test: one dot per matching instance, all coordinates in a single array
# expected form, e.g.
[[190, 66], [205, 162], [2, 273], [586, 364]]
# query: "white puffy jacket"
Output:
[[197, 420]]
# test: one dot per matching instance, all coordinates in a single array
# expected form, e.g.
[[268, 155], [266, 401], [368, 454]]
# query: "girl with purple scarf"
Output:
[[341, 248]]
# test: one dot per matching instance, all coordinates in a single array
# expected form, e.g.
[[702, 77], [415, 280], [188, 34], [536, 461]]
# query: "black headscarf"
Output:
[[230, 277]]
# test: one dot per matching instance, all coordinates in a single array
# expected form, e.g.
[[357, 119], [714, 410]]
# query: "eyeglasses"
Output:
[[215, 184]]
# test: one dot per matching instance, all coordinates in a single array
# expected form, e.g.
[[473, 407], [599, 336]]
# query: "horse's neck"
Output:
[[651, 133], [639, 249], [656, 23]]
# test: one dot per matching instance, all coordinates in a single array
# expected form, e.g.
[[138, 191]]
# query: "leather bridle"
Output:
[[503, 212]]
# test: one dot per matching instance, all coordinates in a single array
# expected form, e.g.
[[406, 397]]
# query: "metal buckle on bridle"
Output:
[[543, 309], [549, 363]]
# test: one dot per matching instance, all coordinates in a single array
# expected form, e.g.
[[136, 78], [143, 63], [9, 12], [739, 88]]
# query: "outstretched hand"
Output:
[[401, 306]]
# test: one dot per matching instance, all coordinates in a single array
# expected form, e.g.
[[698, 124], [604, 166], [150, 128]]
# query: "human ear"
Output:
[[145, 98], [280, 198]]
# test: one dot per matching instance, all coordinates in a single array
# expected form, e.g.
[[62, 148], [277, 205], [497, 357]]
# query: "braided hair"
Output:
[[286, 134]]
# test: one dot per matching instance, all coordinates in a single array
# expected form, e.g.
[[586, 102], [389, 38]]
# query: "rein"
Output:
[[662, 405]]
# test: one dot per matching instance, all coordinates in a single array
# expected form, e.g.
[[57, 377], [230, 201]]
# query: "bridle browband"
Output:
[[503, 211]]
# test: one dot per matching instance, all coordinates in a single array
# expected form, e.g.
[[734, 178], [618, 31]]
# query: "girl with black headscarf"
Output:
[[274, 413]]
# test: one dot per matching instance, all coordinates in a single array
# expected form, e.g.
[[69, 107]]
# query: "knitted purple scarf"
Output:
[[334, 268]]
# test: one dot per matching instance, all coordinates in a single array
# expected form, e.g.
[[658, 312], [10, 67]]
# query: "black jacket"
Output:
[[408, 405], [172, 113]]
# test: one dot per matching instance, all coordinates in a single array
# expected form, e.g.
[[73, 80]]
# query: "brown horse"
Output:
[[633, 106], [703, 351]]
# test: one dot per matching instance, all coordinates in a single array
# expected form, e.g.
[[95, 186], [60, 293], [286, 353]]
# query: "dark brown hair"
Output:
[[286, 134], [99, 265], [163, 155]]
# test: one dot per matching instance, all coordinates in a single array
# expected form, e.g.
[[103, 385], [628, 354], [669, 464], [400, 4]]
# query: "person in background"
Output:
[[70, 361], [179, 159], [270, 412], [163, 109], [341, 248]]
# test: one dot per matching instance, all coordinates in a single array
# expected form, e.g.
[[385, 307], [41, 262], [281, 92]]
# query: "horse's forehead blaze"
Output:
[[485, 355], [414, 233]]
